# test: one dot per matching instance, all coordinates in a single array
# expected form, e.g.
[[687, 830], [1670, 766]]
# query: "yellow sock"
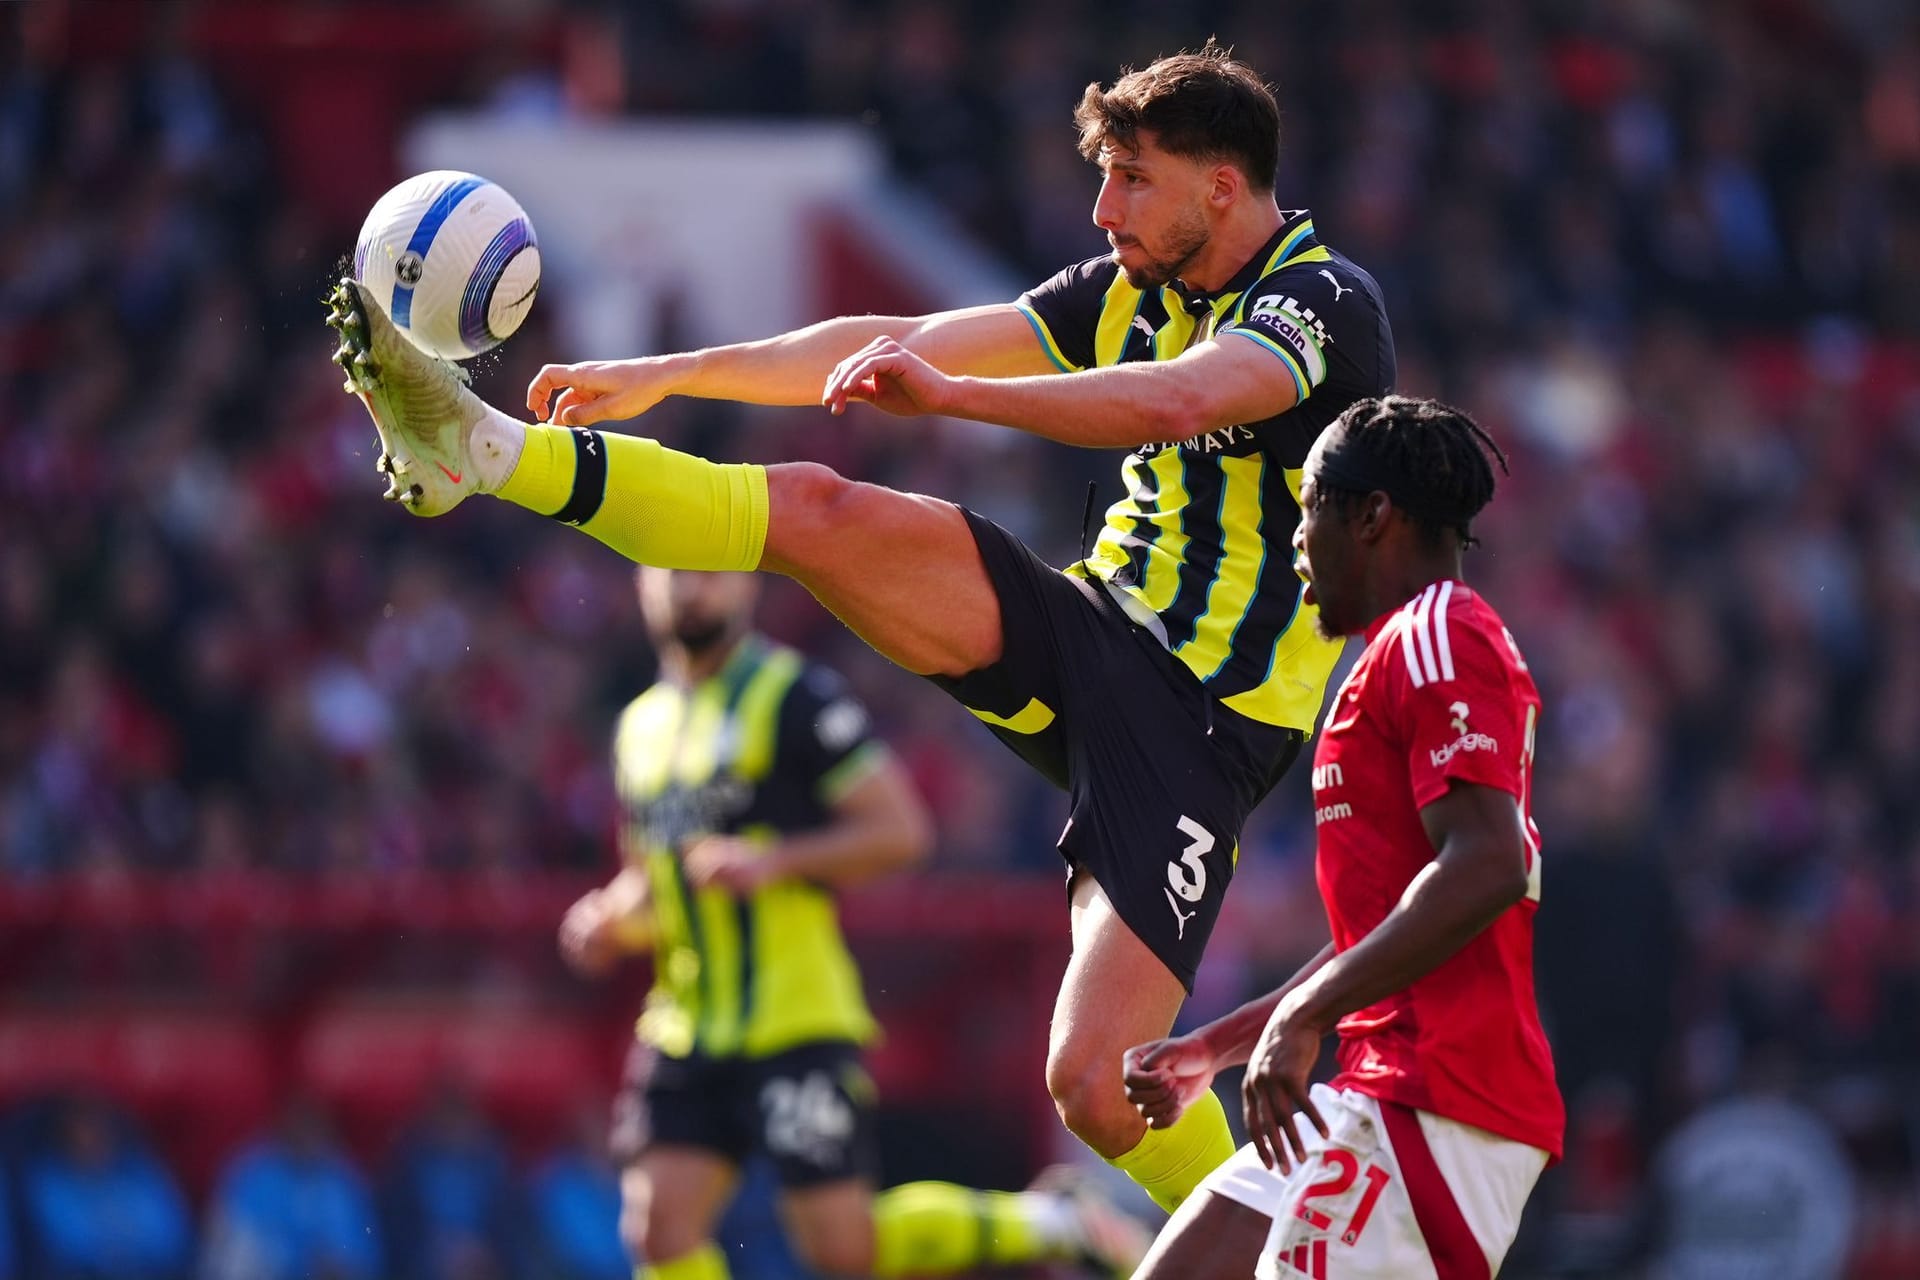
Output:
[[1169, 1163], [704, 1263], [937, 1228], [652, 504]]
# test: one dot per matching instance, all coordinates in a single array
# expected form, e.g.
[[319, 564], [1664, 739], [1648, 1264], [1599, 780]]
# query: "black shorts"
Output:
[[1160, 776], [810, 1109]]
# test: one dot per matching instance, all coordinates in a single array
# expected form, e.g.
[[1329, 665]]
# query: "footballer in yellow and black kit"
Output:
[[1167, 680], [748, 990]]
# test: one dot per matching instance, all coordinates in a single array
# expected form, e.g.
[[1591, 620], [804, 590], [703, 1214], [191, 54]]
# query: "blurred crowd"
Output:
[[1668, 253], [87, 1196]]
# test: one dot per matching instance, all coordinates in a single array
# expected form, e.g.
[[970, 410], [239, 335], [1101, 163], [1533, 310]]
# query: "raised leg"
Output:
[[900, 569]]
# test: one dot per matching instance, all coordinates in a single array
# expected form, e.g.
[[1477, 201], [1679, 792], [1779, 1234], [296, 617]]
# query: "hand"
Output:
[[730, 863], [587, 940], [1165, 1077], [889, 377], [599, 391], [1276, 1085]]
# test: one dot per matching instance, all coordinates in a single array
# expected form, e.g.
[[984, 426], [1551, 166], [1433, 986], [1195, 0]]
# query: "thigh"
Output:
[[901, 570], [676, 1194], [1210, 1238], [1115, 994], [813, 1111], [830, 1225]]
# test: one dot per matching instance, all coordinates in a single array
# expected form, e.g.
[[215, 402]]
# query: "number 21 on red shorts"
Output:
[[1391, 1192]]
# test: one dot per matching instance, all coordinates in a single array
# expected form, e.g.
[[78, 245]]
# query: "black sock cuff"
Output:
[[589, 478]]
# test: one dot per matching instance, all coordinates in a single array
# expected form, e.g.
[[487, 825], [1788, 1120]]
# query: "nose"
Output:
[[1300, 537], [1106, 206]]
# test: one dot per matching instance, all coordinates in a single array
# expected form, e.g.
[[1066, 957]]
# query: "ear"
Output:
[[1226, 187], [1376, 514]]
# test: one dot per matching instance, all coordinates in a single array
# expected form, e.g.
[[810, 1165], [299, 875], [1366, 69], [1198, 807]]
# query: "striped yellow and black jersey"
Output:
[[1198, 551], [766, 746]]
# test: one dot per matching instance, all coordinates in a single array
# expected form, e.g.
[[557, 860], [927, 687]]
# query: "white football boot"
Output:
[[420, 405], [1110, 1242]]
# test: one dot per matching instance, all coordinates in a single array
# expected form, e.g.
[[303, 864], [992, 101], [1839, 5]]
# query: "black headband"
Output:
[[1349, 467]]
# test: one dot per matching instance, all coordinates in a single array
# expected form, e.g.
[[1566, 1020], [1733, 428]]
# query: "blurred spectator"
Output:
[[573, 1198], [448, 1199], [99, 1206], [292, 1207]]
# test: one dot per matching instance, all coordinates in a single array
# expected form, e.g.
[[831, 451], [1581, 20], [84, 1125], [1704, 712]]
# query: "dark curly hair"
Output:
[[1432, 459]]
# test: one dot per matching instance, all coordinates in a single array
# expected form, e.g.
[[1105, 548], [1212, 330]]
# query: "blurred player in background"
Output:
[[751, 789], [1167, 680], [1418, 1158]]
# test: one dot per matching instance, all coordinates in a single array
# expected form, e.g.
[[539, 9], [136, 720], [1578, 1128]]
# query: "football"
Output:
[[452, 259]]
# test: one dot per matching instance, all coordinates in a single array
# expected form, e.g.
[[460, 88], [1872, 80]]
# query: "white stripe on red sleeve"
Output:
[[1423, 633], [1406, 624], [1442, 640]]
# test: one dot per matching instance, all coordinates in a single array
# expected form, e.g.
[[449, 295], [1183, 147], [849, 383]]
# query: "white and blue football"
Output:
[[452, 259]]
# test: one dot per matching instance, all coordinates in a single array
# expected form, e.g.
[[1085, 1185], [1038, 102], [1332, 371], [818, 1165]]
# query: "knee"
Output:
[[813, 510], [812, 497], [843, 1250], [1084, 1080], [652, 1230]]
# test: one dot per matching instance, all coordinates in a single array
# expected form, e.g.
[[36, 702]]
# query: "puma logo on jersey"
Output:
[[1180, 917], [1338, 288], [1143, 325]]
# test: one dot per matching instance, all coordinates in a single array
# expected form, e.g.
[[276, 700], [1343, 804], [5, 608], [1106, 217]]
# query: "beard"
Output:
[[702, 635], [1185, 238]]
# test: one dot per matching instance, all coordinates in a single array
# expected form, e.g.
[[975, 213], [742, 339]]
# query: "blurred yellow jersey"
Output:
[[764, 747]]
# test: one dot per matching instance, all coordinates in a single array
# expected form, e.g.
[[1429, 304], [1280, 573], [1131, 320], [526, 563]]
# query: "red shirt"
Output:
[[1440, 695]]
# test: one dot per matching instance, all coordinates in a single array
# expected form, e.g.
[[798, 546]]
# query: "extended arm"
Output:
[[614, 918], [1230, 1038], [1480, 869], [1218, 383], [1163, 1077], [989, 342], [879, 825]]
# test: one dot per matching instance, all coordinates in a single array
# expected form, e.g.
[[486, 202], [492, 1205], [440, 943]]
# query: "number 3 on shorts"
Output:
[[1187, 875]]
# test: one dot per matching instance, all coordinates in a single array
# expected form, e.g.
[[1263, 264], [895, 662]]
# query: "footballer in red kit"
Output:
[[1440, 696], [1417, 1158]]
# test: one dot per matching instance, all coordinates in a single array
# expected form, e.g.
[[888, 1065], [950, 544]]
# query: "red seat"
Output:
[[200, 1082], [375, 1065]]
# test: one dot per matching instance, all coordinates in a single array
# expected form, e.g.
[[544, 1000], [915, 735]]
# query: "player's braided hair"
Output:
[[1430, 458]]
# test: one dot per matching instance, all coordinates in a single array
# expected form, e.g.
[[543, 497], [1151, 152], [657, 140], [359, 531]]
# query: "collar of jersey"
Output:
[[745, 656], [1381, 623], [1295, 236]]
